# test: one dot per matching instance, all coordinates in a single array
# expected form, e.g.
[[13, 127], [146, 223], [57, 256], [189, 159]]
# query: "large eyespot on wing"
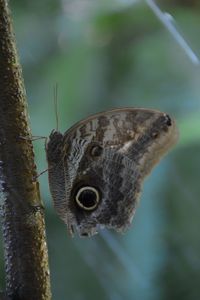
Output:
[[87, 198]]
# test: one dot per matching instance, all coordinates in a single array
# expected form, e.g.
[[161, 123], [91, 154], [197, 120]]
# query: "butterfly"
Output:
[[97, 167]]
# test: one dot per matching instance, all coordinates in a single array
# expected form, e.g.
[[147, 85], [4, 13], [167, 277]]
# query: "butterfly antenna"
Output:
[[55, 90]]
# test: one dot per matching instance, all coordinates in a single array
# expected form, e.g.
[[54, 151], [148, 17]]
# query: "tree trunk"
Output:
[[22, 213]]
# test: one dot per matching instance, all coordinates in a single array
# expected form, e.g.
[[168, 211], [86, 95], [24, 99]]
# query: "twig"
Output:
[[166, 20]]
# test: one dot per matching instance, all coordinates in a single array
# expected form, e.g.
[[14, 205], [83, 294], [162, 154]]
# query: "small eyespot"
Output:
[[96, 150], [87, 198]]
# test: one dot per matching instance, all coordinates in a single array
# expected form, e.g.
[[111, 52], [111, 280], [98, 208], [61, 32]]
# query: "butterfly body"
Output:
[[96, 168]]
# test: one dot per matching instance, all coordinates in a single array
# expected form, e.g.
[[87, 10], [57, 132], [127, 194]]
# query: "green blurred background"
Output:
[[112, 53]]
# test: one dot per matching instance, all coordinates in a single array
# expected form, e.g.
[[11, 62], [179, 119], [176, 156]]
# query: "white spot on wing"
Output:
[[126, 146]]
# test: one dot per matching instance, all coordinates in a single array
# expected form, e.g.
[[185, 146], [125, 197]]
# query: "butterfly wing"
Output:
[[105, 157]]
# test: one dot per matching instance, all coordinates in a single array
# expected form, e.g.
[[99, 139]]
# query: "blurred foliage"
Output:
[[107, 54]]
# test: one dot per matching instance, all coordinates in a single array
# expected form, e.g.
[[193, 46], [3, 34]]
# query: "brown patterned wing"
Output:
[[96, 168]]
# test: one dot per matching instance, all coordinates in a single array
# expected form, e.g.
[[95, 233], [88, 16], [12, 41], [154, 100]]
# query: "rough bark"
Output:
[[22, 215]]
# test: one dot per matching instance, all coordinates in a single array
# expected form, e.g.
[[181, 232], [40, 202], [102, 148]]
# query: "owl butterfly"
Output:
[[96, 168]]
